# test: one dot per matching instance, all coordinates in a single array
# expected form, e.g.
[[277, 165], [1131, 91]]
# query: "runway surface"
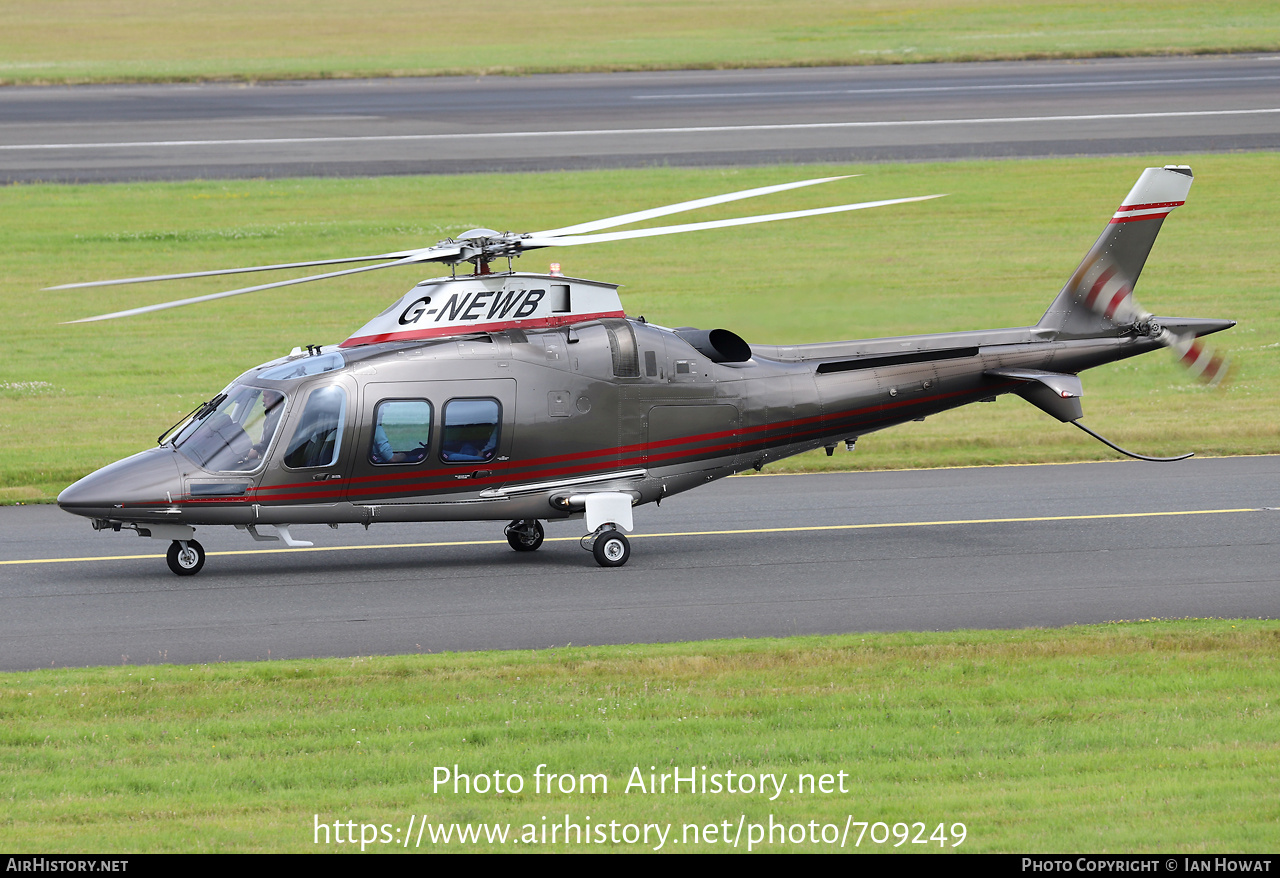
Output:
[[448, 125], [746, 557]]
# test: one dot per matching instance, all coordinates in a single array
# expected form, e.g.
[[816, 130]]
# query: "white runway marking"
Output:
[[588, 132], [926, 89], [699, 533]]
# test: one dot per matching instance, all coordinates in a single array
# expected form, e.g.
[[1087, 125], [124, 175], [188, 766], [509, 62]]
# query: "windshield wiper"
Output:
[[196, 414]]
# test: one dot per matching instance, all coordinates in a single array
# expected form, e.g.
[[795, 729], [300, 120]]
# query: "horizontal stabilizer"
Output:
[[1194, 326]]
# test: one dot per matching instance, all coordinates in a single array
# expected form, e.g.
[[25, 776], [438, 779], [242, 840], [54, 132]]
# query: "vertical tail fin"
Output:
[[1099, 295]]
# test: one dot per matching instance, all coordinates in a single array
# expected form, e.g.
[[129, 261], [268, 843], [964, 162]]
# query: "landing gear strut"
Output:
[[607, 513], [525, 536], [185, 557]]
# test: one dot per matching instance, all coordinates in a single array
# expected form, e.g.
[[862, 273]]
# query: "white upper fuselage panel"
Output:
[[489, 303]]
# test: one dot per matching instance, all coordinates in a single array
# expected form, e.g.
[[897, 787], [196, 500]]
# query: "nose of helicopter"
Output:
[[151, 477]]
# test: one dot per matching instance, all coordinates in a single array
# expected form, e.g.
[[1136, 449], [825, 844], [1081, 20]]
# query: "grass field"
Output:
[[73, 398], [144, 40], [1144, 736]]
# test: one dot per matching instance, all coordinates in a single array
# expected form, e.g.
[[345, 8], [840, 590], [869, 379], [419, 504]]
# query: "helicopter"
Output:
[[525, 397]]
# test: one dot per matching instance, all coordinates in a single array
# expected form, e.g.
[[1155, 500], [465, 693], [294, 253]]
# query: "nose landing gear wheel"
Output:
[[525, 536], [185, 557], [611, 549]]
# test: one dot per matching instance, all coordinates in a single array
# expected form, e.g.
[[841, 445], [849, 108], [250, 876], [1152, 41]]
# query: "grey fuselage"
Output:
[[610, 404]]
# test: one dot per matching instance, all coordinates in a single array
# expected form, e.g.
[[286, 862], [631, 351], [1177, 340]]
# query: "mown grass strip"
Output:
[[1130, 736], [136, 41]]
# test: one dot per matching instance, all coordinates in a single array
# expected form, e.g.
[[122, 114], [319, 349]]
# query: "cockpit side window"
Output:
[[234, 436], [470, 432], [318, 439]]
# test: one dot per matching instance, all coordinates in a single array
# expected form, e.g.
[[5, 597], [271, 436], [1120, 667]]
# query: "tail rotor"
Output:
[[1103, 288], [1098, 299]]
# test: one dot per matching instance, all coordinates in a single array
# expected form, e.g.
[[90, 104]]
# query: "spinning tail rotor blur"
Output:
[[1104, 282]]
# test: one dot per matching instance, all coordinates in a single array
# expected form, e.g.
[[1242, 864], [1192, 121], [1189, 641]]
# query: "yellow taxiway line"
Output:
[[700, 533]]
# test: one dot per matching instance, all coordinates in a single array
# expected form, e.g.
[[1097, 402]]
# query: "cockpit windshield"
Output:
[[234, 435]]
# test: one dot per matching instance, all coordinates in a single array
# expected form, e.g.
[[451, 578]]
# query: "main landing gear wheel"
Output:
[[185, 557], [611, 549], [525, 536]]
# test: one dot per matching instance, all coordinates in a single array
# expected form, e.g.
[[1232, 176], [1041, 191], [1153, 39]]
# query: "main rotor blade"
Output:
[[655, 212], [408, 260], [215, 273], [536, 241], [607, 223], [503, 244]]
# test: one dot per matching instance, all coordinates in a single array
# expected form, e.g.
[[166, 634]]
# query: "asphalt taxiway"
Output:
[[746, 557], [1117, 106]]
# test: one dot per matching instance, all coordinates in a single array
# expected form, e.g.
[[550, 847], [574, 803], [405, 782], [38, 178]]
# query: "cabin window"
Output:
[[234, 436], [401, 431], [318, 439], [470, 432]]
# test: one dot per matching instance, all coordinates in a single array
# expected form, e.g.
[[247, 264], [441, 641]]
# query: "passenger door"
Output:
[[417, 439]]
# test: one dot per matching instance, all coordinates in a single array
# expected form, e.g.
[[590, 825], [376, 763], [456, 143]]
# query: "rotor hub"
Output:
[[482, 246]]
